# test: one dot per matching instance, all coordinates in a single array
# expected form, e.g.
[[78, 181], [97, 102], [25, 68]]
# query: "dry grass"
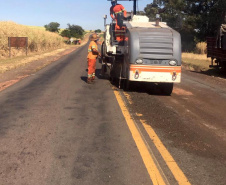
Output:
[[43, 28], [201, 48], [196, 62], [13, 63], [39, 40], [195, 56], [37, 27]]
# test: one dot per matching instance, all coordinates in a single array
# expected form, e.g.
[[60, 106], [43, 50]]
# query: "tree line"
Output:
[[194, 19], [71, 31]]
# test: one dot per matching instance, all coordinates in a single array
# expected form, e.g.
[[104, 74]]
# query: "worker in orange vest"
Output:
[[91, 58], [118, 12]]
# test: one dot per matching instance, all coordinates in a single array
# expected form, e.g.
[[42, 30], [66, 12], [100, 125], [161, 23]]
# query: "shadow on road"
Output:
[[140, 87], [149, 88], [98, 75], [84, 78], [213, 72]]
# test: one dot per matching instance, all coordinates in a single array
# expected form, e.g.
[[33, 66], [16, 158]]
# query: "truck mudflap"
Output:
[[147, 73]]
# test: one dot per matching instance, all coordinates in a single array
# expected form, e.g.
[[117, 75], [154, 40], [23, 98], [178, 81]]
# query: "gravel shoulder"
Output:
[[14, 75]]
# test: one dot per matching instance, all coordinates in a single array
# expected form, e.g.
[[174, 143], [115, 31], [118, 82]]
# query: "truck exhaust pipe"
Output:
[[157, 20]]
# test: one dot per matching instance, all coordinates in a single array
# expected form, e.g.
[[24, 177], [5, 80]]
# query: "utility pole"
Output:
[[134, 7]]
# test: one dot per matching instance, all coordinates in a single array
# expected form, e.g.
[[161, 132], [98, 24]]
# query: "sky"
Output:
[[86, 13]]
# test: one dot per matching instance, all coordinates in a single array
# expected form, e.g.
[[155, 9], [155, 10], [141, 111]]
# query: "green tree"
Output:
[[76, 31], [73, 31], [66, 33], [173, 12], [53, 27], [212, 15], [98, 31], [140, 13], [194, 19]]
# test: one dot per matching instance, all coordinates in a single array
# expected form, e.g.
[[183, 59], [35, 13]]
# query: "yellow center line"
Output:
[[146, 156], [171, 163]]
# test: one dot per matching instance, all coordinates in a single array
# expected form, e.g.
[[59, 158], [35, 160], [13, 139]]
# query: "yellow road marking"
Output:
[[128, 98], [171, 163], [139, 115], [148, 160]]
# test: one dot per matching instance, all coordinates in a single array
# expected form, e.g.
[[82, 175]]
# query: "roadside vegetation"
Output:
[[53, 27], [73, 31], [13, 63], [98, 31], [38, 40], [41, 43], [194, 20], [197, 60]]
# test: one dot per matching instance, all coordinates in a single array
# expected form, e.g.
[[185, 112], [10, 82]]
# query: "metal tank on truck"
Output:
[[148, 52]]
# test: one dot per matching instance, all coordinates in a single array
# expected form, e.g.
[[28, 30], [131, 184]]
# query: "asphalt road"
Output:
[[191, 123], [56, 129]]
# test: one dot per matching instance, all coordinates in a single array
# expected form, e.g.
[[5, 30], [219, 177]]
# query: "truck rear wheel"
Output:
[[126, 85], [166, 88], [103, 50]]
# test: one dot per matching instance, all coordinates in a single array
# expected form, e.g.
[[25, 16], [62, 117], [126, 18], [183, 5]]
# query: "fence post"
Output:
[[26, 45], [9, 47]]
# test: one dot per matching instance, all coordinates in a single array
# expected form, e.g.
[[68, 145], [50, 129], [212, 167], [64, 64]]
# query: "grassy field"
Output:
[[37, 27], [196, 62], [39, 40], [43, 28], [7, 63]]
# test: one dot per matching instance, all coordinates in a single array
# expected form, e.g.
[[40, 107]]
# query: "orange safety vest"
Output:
[[92, 46], [117, 9]]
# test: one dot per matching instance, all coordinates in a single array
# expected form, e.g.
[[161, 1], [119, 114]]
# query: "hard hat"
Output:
[[113, 2], [94, 37]]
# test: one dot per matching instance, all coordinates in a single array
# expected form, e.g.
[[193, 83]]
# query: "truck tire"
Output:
[[126, 85], [103, 50], [166, 88]]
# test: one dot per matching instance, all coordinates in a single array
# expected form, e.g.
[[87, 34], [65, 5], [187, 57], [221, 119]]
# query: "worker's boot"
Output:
[[93, 78], [89, 80]]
